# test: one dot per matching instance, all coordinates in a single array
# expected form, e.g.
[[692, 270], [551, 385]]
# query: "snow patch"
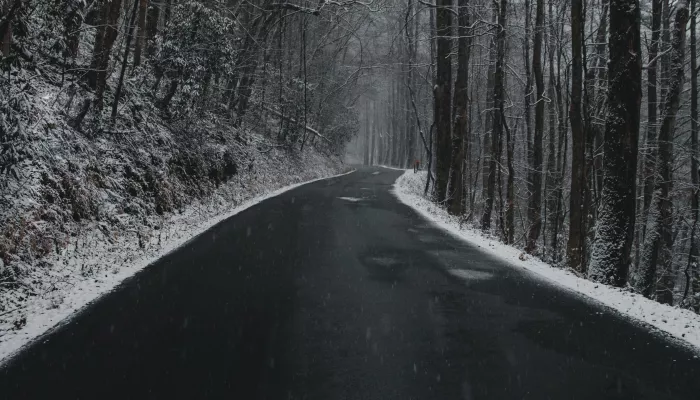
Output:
[[682, 325], [394, 168], [470, 275], [350, 199]]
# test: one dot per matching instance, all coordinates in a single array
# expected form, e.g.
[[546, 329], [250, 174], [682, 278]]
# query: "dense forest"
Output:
[[119, 118], [566, 128]]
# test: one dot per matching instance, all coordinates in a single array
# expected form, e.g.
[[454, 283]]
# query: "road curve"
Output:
[[335, 290]]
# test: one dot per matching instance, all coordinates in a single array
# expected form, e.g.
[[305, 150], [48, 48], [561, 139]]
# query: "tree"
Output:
[[125, 61], [576, 246], [610, 258], [658, 243], [106, 34], [142, 34], [649, 156], [461, 93], [152, 18], [693, 275], [498, 116], [535, 175], [443, 97]]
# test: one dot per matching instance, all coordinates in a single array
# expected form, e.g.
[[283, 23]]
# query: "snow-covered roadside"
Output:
[[682, 325], [93, 266], [394, 168]]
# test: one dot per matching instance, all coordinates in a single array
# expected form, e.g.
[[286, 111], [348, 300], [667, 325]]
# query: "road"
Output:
[[311, 296]]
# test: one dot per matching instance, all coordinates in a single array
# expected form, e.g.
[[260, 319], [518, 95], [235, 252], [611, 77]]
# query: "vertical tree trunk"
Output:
[[528, 99], [172, 90], [111, 30], [488, 116], [576, 246], [610, 258], [373, 139], [366, 144], [125, 61], [9, 11], [142, 35], [152, 18], [594, 106], [72, 21], [695, 153], [561, 161], [410, 122], [658, 243], [552, 173], [665, 60], [649, 153], [443, 97], [535, 181], [97, 49], [510, 186], [497, 134], [460, 102]]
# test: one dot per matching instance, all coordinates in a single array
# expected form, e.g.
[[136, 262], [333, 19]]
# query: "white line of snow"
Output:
[[43, 319], [351, 199], [682, 325], [388, 167]]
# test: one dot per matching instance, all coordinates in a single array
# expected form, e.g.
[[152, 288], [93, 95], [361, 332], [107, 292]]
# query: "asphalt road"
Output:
[[310, 296]]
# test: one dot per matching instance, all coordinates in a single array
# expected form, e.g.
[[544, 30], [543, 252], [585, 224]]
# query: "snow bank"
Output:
[[682, 325], [94, 265]]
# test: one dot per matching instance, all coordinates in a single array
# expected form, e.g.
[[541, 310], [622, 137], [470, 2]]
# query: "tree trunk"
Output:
[[365, 160], [172, 89], [650, 147], [658, 243], [8, 13], [552, 173], [695, 153], [576, 246], [125, 61], [104, 40], [594, 106], [510, 186], [142, 35], [496, 135], [72, 21], [528, 103], [488, 115], [152, 18], [561, 161], [455, 199], [443, 97], [535, 181], [610, 258]]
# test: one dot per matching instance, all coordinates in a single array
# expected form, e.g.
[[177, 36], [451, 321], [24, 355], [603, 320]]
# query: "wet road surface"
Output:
[[311, 296]]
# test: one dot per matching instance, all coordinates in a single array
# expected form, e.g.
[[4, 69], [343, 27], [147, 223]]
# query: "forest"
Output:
[[568, 129], [565, 128]]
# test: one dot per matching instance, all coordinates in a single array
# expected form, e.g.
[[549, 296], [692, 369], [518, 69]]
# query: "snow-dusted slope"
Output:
[[682, 325], [69, 288]]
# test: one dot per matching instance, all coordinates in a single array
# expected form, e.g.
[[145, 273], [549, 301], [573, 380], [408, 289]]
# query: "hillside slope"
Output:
[[86, 200]]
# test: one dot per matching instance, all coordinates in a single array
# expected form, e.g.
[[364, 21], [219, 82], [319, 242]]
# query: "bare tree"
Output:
[[658, 243], [576, 246], [461, 119], [443, 97]]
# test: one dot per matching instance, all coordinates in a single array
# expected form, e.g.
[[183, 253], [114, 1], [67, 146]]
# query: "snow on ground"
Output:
[[682, 325], [93, 266], [394, 168], [350, 199]]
